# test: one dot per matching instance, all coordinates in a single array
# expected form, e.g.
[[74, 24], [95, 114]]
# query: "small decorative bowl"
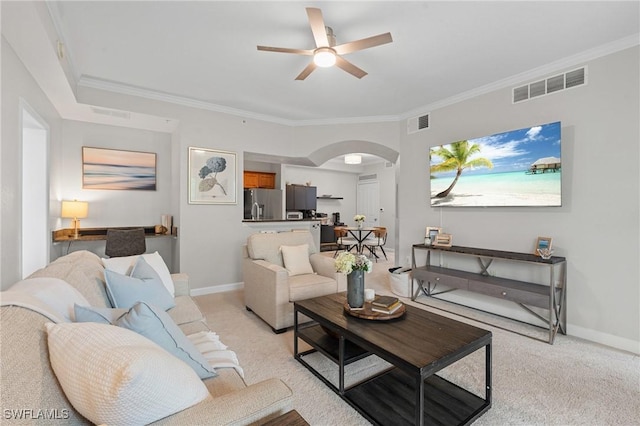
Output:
[[545, 253]]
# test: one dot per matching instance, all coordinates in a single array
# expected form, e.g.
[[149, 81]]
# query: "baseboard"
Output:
[[606, 339], [217, 289]]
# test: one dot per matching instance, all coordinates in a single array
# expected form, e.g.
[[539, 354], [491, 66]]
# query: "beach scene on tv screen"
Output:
[[516, 168]]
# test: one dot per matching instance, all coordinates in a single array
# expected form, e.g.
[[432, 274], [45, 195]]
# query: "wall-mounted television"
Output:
[[515, 168]]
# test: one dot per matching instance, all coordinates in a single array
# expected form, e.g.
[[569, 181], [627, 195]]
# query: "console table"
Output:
[[551, 297]]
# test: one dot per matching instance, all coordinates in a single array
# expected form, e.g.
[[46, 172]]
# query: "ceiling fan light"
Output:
[[324, 57], [352, 159]]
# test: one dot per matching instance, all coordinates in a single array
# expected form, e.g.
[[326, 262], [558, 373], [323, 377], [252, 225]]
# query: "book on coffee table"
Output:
[[388, 310], [384, 301]]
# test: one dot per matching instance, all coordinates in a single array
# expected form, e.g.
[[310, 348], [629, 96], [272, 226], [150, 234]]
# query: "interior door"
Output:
[[368, 202]]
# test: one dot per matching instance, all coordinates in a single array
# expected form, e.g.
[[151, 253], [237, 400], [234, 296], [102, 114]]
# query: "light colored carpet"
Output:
[[573, 382]]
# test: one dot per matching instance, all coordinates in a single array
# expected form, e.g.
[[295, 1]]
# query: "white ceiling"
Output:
[[205, 51]]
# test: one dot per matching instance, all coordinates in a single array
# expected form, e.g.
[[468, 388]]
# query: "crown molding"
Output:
[[531, 75], [571, 61]]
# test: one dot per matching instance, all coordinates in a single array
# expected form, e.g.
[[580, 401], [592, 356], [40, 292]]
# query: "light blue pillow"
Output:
[[95, 314], [154, 324], [143, 285], [157, 326]]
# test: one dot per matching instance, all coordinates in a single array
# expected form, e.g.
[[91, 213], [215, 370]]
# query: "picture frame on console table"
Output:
[[541, 244], [443, 240], [430, 235], [212, 176]]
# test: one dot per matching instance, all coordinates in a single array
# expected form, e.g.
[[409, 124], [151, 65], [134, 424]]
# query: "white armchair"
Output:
[[270, 288]]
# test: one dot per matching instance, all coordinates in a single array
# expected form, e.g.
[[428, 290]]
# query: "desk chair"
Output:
[[125, 242]]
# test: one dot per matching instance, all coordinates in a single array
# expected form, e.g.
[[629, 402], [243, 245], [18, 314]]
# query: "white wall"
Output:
[[17, 83], [596, 228], [115, 207]]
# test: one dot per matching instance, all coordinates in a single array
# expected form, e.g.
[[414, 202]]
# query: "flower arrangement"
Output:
[[359, 218], [347, 262]]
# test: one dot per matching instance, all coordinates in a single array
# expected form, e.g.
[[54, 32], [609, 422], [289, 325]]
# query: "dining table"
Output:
[[360, 234]]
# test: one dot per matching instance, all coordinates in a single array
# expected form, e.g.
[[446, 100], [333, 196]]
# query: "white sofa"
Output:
[[270, 289], [28, 381]]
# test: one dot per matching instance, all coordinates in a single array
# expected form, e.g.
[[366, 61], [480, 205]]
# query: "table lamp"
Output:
[[75, 210]]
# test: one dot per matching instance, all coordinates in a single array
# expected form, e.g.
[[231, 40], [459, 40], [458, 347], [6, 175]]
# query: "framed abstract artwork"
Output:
[[104, 168], [212, 176]]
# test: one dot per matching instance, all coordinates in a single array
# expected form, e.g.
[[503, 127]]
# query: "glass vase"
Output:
[[355, 289]]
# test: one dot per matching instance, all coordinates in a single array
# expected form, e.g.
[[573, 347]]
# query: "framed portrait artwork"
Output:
[[212, 176], [104, 168]]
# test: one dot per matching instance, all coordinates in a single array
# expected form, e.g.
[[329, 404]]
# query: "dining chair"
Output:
[[343, 240], [378, 240], [125, 242]]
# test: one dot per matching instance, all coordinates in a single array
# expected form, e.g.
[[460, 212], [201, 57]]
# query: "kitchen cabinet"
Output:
[[259, 179], [301, 197]]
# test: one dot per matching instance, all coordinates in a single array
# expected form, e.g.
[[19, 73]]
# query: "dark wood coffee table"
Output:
[[418, 345]]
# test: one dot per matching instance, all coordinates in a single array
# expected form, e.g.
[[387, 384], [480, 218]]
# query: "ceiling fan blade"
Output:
[[364, 43], [305, 72], [316, 21], [286, 50], [349, 67]]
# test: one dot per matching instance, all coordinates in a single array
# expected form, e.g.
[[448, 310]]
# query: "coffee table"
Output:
[[418, 345]]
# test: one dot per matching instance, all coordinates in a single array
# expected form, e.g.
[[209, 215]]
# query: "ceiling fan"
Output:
[[326, 53]]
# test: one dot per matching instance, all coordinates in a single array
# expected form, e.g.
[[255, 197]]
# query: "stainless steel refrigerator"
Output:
[[261, 203]]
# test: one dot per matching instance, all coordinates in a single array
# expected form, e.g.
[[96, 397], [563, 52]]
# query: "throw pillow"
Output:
[[296, 259], [157, 326], [99, 315], [143, 285], [124, 265], [114, 376], [59, 295]]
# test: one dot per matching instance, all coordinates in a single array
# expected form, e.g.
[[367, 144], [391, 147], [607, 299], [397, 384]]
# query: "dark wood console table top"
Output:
[[511, 255], [418, 345], [100, 234]]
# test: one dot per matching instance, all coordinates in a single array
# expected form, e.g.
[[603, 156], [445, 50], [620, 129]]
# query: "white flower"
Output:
[[359, 218], [347, 262]]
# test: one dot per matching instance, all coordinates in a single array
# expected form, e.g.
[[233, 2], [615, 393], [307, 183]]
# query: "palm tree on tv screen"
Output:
[[457, 158]]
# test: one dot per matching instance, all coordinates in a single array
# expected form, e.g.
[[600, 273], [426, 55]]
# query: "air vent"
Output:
[[368, 177], [549, 85], [416, 124], [112, 113]]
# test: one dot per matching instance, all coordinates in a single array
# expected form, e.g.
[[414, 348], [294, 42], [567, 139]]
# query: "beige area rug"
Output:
[[573, 382]]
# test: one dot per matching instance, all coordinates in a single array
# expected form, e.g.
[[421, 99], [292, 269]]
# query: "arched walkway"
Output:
[[322, 155], [328, 152]]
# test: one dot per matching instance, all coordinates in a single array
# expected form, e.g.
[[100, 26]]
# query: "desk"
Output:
[[94, 239], [360, 234]]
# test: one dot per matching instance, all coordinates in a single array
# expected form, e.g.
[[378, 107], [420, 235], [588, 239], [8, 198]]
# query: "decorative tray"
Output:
[[368, 313]]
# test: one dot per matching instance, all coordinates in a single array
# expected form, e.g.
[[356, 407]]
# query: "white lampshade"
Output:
[[324, 57], [75, 209], [352, 159]]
